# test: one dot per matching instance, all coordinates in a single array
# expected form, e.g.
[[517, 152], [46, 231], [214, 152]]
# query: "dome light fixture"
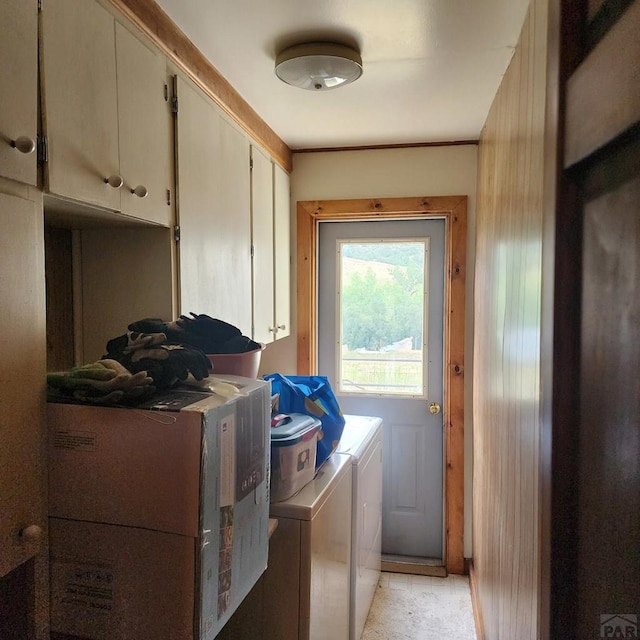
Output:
[[318, 66]]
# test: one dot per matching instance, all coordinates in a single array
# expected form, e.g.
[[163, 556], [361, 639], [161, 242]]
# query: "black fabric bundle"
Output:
[[171, 351], [166, 363], [210, 335]]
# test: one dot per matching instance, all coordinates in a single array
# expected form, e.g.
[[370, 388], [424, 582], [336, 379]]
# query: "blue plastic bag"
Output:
[[313, 396]]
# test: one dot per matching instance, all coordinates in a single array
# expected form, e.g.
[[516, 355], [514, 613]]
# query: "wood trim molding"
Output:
[[475, 602], [158, 27], [400, 145], [454, 210]]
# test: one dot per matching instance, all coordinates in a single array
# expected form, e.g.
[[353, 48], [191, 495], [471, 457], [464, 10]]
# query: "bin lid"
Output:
[[292, 426]]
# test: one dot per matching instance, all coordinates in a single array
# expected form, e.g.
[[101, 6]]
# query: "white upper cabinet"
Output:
[[105, 113], [262, 230], [145, 129], [271, 249], [80, 115], [282, 252], [214, 212], [19, 82]]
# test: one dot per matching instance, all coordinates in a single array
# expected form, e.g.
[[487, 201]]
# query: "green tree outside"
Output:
[[378, 311]]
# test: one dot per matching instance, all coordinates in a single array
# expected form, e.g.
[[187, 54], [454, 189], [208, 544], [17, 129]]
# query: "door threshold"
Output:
[[416, 566]]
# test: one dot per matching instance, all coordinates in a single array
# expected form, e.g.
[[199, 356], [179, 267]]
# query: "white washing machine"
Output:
[[362, 440]]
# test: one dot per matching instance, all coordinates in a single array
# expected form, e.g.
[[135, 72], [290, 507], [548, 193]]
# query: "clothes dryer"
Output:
[[362, 441]]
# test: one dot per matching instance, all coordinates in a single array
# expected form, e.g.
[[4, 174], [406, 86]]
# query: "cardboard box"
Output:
[[160, 515], [109, 581]]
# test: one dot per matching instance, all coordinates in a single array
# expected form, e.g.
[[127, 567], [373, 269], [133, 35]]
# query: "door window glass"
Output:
[[381, 308]]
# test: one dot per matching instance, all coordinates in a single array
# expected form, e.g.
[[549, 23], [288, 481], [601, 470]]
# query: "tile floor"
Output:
[[408, 607]]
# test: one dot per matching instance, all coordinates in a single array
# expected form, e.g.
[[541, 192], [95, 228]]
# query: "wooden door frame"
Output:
[[453, 209]]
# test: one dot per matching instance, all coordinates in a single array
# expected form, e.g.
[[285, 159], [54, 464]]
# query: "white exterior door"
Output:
[[380, 342]]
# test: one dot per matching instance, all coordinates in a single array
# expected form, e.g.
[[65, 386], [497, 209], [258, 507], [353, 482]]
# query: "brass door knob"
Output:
[[434, 408]]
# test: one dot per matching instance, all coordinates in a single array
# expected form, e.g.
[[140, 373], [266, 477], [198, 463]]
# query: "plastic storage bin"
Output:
[[293, 455]]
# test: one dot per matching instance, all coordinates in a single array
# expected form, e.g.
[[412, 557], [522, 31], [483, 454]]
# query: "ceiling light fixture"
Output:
[[318, 66]]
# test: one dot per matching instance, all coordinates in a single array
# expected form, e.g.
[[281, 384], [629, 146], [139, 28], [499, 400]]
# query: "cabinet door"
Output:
[[22, 380], [233, 212], [198, 132], [262, 228], [80, 101], [213, 212], [282, 252], [145, 129], [18, 98]]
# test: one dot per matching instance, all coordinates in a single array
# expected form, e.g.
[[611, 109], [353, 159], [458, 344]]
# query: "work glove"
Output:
[[184, 360], [134, 341], [104, 382], [134, 385], [166, 364], [174, 334], [170, 364]]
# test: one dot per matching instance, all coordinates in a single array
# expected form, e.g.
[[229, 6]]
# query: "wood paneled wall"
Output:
[[507, 343]]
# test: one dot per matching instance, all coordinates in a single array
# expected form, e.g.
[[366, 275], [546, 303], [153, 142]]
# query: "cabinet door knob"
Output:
[[282, 327], [140, 191], [114, 181], [32, 533], [272, 329], [24, 144]]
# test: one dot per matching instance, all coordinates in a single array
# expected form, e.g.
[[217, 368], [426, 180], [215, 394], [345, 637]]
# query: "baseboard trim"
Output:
[[475, 602]]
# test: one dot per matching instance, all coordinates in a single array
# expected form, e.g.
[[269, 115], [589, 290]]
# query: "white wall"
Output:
[[385, 173]]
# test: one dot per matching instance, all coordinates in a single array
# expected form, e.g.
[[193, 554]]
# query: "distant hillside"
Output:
[[382, 270], [402, 253]]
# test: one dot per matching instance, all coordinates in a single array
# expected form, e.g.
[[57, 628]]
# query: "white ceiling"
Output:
[[431, 67]]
